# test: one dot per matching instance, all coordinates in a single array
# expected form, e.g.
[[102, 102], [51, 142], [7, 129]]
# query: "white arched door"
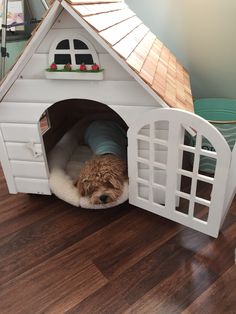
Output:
[[165, 174]]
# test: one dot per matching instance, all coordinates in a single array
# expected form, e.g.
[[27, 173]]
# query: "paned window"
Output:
[[75, 51]]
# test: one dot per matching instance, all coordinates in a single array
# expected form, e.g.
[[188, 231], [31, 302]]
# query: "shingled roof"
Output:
[[126, 34]]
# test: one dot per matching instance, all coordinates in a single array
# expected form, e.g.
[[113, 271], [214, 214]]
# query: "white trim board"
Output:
[[6, 167], [107, 92], [10, 114]]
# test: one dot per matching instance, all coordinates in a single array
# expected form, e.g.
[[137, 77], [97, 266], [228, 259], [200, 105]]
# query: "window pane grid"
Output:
[[149, 182], [77, 53], [79, 45], [64, 44]]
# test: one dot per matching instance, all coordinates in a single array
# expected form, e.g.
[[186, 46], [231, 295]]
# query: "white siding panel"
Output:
[[61, 34], [131, 113], [20, 132], [124, 93], [35, 186], [29, 169], [15, 112], [65, 20], [31, 112], [35, 69], [20, 151], [112, 70]]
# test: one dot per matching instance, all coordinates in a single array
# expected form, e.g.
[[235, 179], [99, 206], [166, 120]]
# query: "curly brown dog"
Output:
[[102, 179]]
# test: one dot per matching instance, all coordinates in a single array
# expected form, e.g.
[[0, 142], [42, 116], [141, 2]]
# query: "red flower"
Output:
[[95, 67], [82, 67], [53, 66]]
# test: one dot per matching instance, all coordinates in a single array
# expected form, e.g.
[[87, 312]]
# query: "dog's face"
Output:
[[102, 178]]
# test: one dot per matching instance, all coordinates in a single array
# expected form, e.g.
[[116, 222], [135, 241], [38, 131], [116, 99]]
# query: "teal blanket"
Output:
[[106, 137]]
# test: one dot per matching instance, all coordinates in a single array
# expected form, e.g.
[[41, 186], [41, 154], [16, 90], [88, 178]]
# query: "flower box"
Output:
[[74, 75]]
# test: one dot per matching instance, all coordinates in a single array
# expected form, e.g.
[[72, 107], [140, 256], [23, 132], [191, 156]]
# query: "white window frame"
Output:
[[72, 51]]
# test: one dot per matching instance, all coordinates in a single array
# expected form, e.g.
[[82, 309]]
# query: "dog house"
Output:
[[140, 83]]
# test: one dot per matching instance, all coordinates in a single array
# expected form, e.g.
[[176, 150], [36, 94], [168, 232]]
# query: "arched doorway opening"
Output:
[[63, 115]]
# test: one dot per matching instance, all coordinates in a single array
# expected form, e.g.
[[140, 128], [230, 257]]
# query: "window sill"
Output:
[[82, 76]]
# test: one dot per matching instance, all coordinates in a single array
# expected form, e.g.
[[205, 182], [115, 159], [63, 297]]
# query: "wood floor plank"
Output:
[[39, 241], [29, 215], [116, 247], [55, 258], [107, 300], [147, 273], [53, 287], [220, 255], [164, 298], [219, 298], [128, 247], [12, 206], [178, 291]]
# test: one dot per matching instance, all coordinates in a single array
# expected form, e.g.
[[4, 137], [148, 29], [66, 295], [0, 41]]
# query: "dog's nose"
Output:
[[103, 198]]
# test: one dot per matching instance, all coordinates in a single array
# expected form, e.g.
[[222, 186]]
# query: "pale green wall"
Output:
[[202, 34], [14, 49]]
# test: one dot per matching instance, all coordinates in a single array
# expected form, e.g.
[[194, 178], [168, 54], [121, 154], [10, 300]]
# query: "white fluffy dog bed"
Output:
[[65, 161]]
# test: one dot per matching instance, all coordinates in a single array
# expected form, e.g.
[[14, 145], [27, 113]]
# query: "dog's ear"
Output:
[[85, 187], [116, 184], [81, 187]]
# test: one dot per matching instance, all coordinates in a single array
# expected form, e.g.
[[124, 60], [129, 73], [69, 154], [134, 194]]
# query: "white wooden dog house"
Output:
[[140, 77]]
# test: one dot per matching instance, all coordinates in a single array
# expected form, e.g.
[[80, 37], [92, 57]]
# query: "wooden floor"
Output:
[[55, 258]]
